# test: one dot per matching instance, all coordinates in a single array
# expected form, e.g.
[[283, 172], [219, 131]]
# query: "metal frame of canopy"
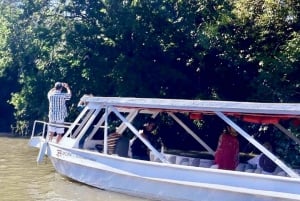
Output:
[[220, 108]]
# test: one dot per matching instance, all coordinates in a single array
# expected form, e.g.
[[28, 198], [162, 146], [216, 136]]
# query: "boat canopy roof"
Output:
[[258, 110]]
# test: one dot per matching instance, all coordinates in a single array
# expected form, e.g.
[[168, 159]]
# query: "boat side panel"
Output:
[[154, 188], [195, 175]]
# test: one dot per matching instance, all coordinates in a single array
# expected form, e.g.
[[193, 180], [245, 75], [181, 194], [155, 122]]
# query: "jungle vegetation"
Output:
[[239, 50]]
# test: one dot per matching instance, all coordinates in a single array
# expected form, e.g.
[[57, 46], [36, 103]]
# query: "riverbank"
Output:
[[6, 134]]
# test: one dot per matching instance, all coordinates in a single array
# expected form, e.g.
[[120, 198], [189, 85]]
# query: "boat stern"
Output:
[[38, 135]]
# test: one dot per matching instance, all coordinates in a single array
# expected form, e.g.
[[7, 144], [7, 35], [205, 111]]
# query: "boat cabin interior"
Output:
[[186, 131]]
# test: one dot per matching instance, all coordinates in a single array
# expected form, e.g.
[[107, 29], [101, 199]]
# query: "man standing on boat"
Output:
[[58, 109]]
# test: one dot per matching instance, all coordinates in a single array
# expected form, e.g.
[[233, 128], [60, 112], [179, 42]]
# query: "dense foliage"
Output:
[[244, 50]]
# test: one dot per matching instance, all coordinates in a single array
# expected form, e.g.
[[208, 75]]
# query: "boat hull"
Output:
[[159, 181]]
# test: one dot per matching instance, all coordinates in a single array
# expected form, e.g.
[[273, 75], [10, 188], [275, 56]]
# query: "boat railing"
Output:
[[40, 128]]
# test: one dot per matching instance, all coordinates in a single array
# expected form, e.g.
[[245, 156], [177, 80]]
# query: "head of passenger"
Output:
[[150, 125], [231, 131]]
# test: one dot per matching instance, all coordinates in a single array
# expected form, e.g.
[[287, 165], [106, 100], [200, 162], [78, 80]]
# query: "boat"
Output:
[[168, 176]]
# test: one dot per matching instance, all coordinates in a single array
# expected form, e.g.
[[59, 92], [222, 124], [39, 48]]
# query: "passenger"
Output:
[[263, 162], [138, 149], [227, 153], [57, 109], [112, 141], [122, 146]]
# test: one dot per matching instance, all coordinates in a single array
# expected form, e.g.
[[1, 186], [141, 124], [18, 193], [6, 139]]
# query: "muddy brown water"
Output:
[[22, 179]]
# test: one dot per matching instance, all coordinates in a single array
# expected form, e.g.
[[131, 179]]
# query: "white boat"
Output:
[[166, 176]]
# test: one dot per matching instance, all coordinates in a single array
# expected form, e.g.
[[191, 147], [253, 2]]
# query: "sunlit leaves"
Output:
[[292, 48], [5, 55], [236, 50]]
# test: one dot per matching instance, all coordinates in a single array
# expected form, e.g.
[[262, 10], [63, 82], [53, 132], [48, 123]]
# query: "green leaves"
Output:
[[229, 50]]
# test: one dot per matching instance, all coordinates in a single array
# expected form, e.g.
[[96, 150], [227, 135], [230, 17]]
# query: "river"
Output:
[[22, 179]]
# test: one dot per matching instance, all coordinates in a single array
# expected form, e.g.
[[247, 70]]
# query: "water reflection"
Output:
[[21, 179]]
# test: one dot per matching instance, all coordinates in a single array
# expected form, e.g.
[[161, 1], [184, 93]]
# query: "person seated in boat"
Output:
[[112, 141], [138, 149], [227, 153], [263, 162]]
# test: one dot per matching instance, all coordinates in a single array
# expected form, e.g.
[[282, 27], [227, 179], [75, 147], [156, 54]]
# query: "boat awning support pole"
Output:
[[288, 133], [129, 118], [136, 132], [83, 123], [260, 147], [87, 122], [189, 131], [105, 129]]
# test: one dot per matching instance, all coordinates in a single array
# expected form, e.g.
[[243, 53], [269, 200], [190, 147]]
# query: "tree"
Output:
[[224, 50], [272, 25], [7, 76]]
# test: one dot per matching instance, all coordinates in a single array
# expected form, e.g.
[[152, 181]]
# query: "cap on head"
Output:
[[58, 85]]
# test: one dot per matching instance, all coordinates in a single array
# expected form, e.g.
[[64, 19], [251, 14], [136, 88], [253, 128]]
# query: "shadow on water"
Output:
[[22, 179]]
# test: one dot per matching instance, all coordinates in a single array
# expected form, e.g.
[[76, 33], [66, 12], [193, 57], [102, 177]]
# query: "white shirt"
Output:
[[57, 105]]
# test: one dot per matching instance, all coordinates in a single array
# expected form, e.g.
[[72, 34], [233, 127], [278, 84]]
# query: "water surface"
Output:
[[22, 179]]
